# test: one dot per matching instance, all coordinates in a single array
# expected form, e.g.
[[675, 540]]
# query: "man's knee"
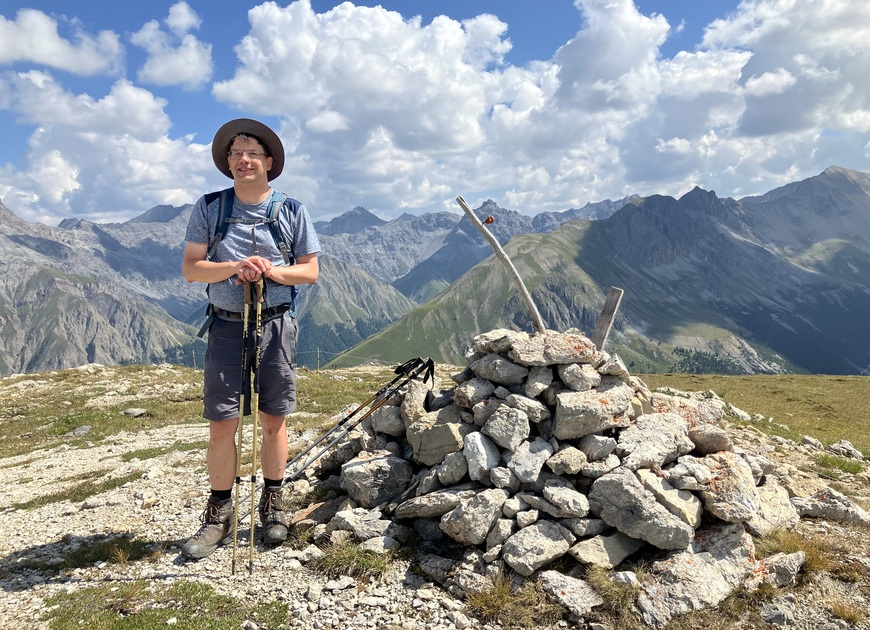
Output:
[[272, 425], [223, 430]]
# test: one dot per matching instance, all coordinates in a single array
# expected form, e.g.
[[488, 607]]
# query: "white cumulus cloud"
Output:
[[103, 159], [33, 38], [175, 57], [395, 114]]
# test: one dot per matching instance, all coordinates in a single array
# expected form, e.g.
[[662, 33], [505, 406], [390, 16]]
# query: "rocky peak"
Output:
[[351, 222], [831, 205], [10, 219], [160, 214], [700, 197], [70, 223]]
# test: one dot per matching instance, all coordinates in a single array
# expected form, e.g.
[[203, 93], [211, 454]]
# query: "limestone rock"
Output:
[[469, 522], [375, 477], [593, 411], [834, 506], [536, 546], [553, 348], [654, 440], [622, 502], [433, 436], [731, 494], [497, 369], [605, 551], [573, 593]]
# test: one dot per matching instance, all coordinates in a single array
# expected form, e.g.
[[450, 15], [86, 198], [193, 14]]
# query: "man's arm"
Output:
[[305, 271], [196, 268]]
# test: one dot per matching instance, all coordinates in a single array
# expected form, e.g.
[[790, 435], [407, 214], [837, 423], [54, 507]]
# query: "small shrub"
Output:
[[112, 549], [156, 552], [849, 570], [702, 620], [300, 537], [743, 601], [119, 554], [489, 605]]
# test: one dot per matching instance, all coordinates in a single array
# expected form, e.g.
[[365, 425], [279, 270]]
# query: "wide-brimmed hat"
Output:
[[224, 136]]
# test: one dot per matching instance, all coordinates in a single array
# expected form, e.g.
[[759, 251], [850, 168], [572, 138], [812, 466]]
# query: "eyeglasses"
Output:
[[252, 155]]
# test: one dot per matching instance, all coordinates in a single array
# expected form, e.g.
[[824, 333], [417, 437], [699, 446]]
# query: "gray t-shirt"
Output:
[[296, 226]]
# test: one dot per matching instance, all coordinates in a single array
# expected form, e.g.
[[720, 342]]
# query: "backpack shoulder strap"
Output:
[[225, 212], [278, 200], [275, 205]]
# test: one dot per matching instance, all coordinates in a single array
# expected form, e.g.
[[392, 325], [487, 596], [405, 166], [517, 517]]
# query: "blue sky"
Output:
[[108, 109]]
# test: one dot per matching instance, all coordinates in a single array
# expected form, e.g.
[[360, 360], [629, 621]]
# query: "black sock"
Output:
[[273, 484], [221, 495]]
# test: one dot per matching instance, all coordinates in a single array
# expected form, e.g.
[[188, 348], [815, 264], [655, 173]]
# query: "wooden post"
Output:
[[605, 319], [537, 321]]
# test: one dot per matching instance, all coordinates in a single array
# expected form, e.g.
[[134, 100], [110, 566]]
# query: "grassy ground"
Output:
[[141, 605], [828, 408], [42, 410]]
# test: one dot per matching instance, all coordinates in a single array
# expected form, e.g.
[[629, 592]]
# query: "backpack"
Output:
[[225, 217]]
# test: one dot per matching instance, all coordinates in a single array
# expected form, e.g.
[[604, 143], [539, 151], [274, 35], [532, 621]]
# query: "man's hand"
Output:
[[252, 268]]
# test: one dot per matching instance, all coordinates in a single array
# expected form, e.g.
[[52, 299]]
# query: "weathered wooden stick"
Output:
[[537, 321], [605, 319]]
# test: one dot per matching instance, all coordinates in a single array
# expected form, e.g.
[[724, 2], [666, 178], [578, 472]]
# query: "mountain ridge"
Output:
[[698, 262], [757, 283]]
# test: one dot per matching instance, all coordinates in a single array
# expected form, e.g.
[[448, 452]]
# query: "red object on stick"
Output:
[[489, 220]]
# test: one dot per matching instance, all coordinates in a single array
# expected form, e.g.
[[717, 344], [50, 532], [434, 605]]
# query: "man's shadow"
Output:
[[56, 562]]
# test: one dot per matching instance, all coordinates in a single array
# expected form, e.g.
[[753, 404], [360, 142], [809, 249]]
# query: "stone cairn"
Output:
[[548, 450]]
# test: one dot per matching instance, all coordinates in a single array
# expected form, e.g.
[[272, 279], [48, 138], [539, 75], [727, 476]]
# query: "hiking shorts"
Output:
[[223, 368]]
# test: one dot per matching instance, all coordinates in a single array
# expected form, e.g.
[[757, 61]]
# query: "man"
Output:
[[252, 155]]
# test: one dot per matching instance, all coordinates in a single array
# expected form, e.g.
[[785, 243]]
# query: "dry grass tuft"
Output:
[[847, 611], [618, 609], [348, 558], [818, 549], [525, 607]]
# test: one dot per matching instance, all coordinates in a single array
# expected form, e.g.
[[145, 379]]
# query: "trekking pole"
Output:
[[400, 370], [246, 310], [258, 298], [426, 368]]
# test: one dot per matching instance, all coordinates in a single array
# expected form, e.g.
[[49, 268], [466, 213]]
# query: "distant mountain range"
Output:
[[774, 283]]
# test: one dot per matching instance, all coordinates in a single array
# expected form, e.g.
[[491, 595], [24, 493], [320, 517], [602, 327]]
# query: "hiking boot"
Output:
[[216, 529], [272, 517]]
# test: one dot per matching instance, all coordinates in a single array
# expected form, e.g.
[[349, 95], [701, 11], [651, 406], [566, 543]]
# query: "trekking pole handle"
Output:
[[408, 365], [427, 368], [401, 371]]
